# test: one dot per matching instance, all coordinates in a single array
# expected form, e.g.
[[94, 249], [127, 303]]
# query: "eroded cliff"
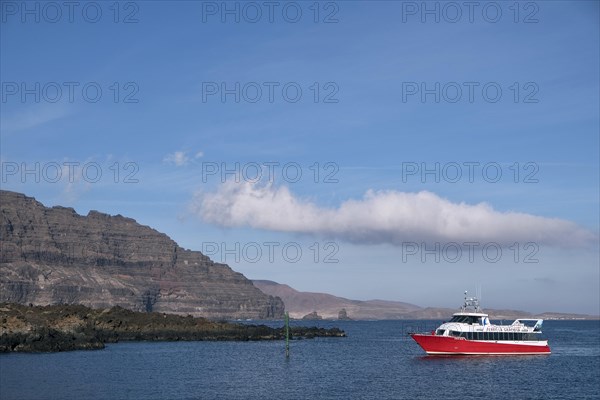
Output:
[[56, 256]]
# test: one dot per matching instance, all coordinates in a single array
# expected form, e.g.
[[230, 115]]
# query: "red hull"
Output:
[[433, 344]]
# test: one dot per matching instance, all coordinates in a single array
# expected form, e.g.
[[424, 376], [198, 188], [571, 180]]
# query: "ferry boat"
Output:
[[470, 332]]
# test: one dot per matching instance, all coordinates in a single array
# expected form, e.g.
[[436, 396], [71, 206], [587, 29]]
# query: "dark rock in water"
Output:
[[343, 315], [55, 256], [73, 327], [313, 332], [312, 316]]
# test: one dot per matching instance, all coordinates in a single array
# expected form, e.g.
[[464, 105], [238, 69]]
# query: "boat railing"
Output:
[[536, 328], [472, 302]]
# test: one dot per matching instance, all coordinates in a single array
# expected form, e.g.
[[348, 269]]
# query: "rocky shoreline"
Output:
[[75, 327]]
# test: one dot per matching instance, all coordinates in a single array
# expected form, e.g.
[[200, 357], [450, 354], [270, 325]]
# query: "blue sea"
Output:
[[376, 361]]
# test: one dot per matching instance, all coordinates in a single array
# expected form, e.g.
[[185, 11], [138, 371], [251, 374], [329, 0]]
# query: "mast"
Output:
[[287, 335]]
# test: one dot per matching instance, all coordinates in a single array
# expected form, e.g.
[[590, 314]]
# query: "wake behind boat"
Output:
[[470, 332]]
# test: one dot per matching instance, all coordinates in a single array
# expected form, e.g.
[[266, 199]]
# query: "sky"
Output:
[[389, 150]]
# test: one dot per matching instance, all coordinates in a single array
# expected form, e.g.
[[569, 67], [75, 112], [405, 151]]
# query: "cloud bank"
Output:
[[384, 216]]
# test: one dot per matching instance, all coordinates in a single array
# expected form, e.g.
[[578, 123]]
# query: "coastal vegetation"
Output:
[[75, 327]]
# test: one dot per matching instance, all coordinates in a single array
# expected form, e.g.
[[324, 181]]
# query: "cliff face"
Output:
[[55, 256]]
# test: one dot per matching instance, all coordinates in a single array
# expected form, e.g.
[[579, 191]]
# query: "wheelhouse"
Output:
[[468, 319]]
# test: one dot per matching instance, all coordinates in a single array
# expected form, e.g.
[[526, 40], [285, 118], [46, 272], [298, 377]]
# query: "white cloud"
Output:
[[382, 217], [179, 158]]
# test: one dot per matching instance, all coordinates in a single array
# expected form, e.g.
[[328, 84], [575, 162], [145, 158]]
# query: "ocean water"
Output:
[[376, 361]]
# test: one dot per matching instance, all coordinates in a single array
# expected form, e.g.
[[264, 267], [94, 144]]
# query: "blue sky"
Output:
[[367, 131]]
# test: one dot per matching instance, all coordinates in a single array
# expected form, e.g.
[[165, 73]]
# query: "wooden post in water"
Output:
[[287, 335]]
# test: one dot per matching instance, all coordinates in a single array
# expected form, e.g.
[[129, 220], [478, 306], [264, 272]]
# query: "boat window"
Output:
[[440, 332], [466, 319], [454, 333]]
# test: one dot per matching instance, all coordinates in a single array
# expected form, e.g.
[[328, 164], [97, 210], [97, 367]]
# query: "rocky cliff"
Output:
[[56, 256]]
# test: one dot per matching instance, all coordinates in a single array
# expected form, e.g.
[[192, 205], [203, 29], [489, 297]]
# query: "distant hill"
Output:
[[299, 304], [328, 306]]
